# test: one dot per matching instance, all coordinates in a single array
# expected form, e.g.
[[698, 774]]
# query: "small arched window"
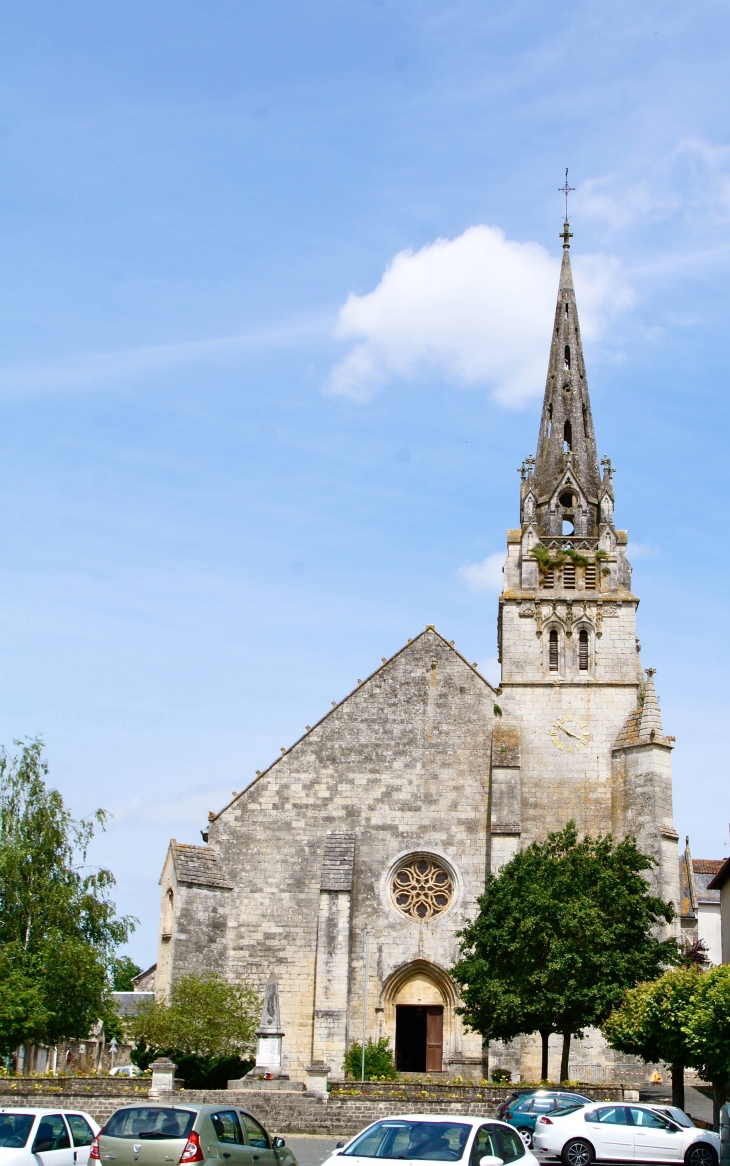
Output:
[[583, 651], [566, 309], [553, 651], [567, 357], [567, 436]]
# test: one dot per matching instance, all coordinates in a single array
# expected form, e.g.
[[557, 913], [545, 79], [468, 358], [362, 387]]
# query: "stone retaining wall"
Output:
[[341, 1114]]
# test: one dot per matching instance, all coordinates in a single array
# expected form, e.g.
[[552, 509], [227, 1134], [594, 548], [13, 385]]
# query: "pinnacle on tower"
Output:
[[567, 480], [650, 722]]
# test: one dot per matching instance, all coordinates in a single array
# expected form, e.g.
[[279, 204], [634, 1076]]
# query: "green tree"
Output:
[[561, 932], [23, 1011], [650, 1023], [378, 1060], [207, 1022], [707, 1029], [58, 926], [123, 971]]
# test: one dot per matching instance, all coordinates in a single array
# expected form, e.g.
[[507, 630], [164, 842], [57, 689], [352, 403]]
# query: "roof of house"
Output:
[[698, 891], [722, 876]]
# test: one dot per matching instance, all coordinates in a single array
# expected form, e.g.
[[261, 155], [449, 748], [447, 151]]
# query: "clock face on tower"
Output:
[[568, 736]]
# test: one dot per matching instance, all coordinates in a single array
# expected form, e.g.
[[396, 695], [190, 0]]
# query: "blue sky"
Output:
[[245, 451]]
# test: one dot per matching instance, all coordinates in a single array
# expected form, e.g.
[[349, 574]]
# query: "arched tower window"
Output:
[[553, 650], [567, 436], [583, 651], [567, 357]]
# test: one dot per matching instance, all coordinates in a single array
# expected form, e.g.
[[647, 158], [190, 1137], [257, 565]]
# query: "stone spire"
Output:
[[567, 444], [650, 721]]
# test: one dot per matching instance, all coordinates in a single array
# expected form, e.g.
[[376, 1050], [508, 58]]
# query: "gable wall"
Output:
[[403, 764]]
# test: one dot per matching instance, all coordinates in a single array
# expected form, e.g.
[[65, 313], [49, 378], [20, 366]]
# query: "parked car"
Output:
[[152, 1135], [627, 1133], [51, 1137], [523, 1111], [472, 1141]]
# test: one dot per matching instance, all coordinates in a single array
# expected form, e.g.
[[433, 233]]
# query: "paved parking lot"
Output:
[[311, 1149]]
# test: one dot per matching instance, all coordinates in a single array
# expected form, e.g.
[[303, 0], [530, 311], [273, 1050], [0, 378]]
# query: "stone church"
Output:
[[345, 870]]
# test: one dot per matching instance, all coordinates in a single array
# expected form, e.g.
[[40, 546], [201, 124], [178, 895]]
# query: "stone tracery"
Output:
[[422, 887]]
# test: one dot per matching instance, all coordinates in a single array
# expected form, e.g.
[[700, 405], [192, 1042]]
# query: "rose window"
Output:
[[422, 887]]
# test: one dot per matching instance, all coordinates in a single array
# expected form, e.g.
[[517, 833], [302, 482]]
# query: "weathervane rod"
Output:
[[566, 190]]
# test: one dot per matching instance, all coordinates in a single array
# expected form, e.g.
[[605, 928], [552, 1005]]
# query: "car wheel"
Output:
[[526, 1136], [577, 1153], [700, 1155]]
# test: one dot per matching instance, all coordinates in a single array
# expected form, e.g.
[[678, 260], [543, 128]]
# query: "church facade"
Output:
[[346, 869]]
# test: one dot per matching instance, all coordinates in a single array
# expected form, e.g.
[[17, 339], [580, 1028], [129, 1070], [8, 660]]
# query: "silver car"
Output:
[[158, 1135]]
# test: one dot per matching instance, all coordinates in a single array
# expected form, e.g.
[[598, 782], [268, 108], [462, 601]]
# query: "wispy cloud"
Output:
[[485, 576], [95, 369], [477, 309], [690, 181]]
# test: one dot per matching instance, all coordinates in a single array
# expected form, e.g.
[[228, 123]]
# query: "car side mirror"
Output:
[[491, 1160], [339, 1145], [278, 1143]]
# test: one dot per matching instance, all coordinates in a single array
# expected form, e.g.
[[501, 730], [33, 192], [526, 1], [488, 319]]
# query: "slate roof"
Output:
[[197, 866], [696, 892], [130, 1003], [338, 862]]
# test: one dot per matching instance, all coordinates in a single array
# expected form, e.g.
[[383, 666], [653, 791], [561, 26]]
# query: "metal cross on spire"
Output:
[[566, 190]]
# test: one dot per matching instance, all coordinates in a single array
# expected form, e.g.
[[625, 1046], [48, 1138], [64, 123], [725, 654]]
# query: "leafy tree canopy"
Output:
[[562, 931], [123, 971], [650, 1023], [58, 926], [207, 1016], [707, 1029]]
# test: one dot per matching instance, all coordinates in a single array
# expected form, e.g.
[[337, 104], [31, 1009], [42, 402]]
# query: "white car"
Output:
[[623, 1133], [419, 1137], [45, 1137]]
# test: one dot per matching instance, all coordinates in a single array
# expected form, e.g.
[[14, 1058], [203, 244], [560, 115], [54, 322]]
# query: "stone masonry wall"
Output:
[[403, 763]]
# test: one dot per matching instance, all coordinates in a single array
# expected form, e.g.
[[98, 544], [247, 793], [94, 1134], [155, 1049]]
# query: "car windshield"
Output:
[[566, 1109], [149, 1123], [678, 1116], [435, 1141], [14, 1130]]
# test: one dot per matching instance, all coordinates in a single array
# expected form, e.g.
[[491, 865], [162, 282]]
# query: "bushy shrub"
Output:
[[378, 1061], [501, 1076]]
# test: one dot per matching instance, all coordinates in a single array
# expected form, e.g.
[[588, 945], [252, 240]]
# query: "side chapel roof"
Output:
[[197, 866]]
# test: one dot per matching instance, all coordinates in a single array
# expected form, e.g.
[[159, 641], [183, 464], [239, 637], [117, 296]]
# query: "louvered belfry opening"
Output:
[[583, 651], [553, 651], [548, 581], [569, 576], [590, 577]]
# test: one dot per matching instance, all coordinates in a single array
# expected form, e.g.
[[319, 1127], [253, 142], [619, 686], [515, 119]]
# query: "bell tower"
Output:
[[574, 696]]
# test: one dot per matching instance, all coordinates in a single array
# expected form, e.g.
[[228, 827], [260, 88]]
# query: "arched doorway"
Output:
[[418, 1001]]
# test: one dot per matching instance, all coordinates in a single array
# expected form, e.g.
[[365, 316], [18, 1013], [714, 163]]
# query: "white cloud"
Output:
[[477, 309], [487, 575]]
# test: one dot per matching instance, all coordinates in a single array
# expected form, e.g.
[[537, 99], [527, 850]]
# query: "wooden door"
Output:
[[434, 1038]]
